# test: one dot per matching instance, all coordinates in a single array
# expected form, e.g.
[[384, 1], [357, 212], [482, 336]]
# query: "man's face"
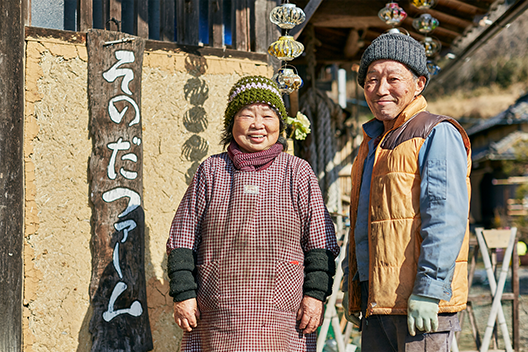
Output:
[[389, 88]]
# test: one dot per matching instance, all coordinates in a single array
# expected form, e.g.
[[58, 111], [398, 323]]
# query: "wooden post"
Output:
[[118, 287], [266, 31], [515, 303], [188, 21], [114, 19], [167, 20], [11, 173], [27, 12], [241, 31], [216, 23], [84, 15], [141, 18]]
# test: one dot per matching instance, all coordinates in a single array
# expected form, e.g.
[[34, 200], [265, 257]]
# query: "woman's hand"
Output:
[[310, 314], [186, 314]]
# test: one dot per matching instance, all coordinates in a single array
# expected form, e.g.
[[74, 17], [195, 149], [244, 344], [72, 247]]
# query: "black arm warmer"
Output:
[[182, 274], [319, 269]]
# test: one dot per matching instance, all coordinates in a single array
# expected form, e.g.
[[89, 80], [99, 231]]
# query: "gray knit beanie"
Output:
[[398, 47]]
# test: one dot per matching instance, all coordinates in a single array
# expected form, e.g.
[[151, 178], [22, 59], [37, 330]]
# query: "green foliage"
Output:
[[501, 71], [300, 126], [519, 165]]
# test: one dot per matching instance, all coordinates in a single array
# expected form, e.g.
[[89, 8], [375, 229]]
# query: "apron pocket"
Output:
[[288, 292], [208, 290]]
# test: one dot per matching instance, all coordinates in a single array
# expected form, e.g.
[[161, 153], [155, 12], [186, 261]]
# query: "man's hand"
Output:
[[186, 314], [354, 318], [310, 314], [422, 313]]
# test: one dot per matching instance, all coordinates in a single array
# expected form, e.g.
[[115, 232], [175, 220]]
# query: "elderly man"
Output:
[[407, 256]]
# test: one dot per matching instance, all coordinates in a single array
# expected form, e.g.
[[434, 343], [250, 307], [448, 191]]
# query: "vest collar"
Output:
[[370, 128], [417, 105]]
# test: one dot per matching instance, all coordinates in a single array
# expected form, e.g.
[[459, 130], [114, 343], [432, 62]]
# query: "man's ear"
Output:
[[420, 85]]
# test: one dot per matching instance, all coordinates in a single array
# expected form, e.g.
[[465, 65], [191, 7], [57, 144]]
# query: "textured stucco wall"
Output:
[[57, 147], [183, 98]]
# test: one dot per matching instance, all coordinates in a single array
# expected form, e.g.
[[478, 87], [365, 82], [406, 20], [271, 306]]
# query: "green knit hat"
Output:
[[253, 89]]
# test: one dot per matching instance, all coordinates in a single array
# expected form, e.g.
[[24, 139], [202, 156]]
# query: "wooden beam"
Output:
[[216, 23], [352, 44], [309, 10], [67, 36], [11, 173], [469, 5], [153, 45], [141, 18], [459, 6], [443, 18], [242, 32], [346, 21], [85, 15]]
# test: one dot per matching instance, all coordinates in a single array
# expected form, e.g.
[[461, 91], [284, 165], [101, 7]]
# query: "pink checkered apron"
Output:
[[250, 231]]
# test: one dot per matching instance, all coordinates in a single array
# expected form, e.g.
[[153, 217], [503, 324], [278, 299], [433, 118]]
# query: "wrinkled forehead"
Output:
[[389, 65]]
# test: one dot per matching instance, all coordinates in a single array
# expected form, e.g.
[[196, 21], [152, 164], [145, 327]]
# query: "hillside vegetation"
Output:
[[491, 80]]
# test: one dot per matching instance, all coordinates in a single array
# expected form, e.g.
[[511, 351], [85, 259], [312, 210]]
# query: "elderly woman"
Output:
[[252, 246]]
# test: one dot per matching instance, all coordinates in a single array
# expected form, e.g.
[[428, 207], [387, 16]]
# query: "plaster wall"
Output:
[[57, 148]]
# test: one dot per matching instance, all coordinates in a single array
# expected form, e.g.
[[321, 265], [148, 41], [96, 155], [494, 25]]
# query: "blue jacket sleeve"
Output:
[[444, 208]]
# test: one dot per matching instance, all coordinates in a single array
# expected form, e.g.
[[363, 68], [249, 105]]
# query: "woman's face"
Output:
[[256, 128]]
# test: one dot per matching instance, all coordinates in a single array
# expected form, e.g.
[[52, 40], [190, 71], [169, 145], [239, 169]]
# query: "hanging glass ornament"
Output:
[[287, 16], [423, 4], [286, 48], [425, 23], [287, 79], [432, 68], [392, 14], [431, 45]]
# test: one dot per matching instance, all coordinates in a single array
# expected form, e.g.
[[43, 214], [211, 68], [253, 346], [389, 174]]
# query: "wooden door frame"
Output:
[[12, 17]]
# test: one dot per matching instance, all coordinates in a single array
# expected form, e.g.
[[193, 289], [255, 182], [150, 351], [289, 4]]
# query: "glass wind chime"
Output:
[[426, 24], [393, 15], [286, 48]]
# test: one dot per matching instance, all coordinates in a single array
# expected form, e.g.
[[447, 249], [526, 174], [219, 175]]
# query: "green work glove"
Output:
[[354, 318], [422, 313]]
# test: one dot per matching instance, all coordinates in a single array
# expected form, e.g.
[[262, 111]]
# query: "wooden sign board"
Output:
[[118, 288]]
